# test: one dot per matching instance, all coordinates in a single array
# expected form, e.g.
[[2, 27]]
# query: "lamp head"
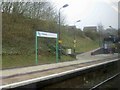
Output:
[[65, 5], [79, 21]]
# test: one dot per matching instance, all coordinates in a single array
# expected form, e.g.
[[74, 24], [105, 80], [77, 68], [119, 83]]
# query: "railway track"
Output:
[[105, 81]]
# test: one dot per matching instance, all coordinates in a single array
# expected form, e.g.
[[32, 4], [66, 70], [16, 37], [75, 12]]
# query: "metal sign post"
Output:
[[36, 48], [47, 35]]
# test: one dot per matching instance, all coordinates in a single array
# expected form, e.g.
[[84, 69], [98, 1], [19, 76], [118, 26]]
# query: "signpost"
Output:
[[46, 35]]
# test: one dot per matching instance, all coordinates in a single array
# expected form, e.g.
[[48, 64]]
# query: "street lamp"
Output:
[[75, 36], [59, 33], [111, 28], [113, 34]]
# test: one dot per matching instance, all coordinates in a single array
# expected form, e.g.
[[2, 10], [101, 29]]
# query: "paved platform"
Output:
[[81, 58]]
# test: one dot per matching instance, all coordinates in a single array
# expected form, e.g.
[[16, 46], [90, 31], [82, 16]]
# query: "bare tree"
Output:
[[42, 10]]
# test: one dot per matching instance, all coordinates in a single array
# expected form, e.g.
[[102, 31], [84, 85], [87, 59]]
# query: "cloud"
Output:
[[113, 4], [116, 9]]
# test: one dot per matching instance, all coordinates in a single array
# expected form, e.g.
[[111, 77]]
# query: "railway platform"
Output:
[[21, 76]]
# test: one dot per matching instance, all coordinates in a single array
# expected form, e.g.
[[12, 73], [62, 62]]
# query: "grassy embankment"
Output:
[[18, 41]]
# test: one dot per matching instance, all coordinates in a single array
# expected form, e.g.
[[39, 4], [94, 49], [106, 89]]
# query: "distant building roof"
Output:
[[92, 28], [72, 27]]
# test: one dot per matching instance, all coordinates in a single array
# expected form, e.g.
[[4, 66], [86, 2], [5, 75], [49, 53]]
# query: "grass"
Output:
[[82, 44], [18, 36], [85, 45], [11, 61]]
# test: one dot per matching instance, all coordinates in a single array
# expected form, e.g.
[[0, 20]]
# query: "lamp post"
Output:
[[113, 35], [59, 33], [75, 36], [111, 28], [101, 34]]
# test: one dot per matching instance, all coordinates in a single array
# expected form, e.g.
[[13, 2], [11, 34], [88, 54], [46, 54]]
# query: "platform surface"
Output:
[[21, 74]]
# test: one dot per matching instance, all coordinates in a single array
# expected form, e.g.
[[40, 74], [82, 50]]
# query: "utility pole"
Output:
[[59, 34], [75, 36]]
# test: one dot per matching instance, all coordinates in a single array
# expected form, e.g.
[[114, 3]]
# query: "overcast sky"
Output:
[[90, 12]]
